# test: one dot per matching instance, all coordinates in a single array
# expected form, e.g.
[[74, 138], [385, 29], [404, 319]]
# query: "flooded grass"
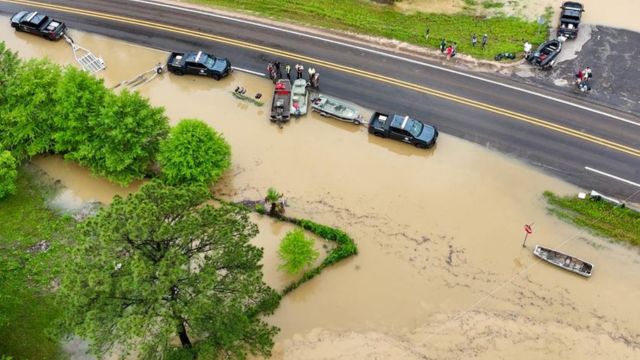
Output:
[[26, 306], [506, 34], [601, 217]]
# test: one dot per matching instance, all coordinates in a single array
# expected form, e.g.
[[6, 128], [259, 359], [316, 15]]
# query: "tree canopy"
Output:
[[193, 153], [159, 265], [78, 98], [26, 126], [122, 141]]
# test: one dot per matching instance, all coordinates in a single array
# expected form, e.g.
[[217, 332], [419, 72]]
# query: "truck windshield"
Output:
[[414, 127], [208, 62]]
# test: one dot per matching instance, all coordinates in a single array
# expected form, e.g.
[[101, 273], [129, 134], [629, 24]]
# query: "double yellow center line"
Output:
[[345, 69]]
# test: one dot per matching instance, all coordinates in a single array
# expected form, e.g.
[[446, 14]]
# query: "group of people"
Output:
[[275, 73], [583, 77], [451, 49]]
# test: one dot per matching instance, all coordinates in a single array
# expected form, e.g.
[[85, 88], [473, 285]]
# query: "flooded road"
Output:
[[441, 272]]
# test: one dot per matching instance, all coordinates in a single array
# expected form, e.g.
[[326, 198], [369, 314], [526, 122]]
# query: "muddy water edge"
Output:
[[441, 272]]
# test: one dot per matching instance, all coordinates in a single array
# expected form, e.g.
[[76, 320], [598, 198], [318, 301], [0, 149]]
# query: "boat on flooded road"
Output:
[[281, 103], [564, 261]]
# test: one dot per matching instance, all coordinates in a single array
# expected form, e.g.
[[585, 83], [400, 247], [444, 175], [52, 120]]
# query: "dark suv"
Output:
[[38, 24]]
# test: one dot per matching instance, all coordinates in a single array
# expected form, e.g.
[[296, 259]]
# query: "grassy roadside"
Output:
[[26, 304], [601, 217], [505, 34]]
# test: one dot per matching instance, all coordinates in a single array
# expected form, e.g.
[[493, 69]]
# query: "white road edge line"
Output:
[[249, 71], [612, 176], [381, 53]]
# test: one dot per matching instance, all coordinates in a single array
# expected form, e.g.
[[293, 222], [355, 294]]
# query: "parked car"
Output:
[[403, 128], [198, 63], [545, 55], [38, 24], [570, 19]]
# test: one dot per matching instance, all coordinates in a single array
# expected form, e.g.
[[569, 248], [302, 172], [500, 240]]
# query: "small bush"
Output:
[[297, 252], [193, 153], [8, 174]]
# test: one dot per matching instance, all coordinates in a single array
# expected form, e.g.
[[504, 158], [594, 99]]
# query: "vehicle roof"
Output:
[[34, 18], [198, 57], [401, 122]]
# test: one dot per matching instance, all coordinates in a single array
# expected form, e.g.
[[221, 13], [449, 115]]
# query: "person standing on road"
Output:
[[311, 71], [449, 52], [276, 65], [484, 41], [474, 40], [454, 49], [587, 74], [299, 70], [443, 46], [287, 68]]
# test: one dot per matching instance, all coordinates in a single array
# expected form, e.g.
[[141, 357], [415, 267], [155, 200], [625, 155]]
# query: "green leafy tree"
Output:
[[159, 266], [78, 99], [9, 63], [8, 174], [193, 153], [123, 139], [26, 125], [297, 252]]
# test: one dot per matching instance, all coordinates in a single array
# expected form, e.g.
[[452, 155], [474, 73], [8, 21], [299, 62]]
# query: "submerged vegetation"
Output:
[[600, 217], [33, 242], [505, 34]]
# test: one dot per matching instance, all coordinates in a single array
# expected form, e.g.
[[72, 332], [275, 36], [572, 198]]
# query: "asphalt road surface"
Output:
[[559, 138]]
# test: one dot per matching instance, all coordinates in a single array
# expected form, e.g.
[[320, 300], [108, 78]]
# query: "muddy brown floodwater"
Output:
[[441, 272]]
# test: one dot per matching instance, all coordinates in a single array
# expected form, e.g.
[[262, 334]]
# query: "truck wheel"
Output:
[[179, 72], [356, 122], [379, 134], [216, 77]]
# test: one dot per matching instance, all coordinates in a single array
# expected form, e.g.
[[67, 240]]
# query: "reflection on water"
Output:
[[439, 232]]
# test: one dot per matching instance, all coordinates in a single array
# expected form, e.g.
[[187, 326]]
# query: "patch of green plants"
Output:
[[345, 248], [296, 252], [506, 34], [33, 241], [600, 217]]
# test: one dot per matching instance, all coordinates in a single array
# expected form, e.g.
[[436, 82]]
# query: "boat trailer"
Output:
[[87, 60]]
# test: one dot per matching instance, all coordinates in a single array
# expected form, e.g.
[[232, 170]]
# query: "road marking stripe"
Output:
[[612, 176], [248, 71], [385, 54], [353, 71]]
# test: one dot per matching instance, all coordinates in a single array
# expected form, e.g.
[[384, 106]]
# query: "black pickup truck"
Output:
[[570, 19], [403, 128], [38, 24], [198, 63]]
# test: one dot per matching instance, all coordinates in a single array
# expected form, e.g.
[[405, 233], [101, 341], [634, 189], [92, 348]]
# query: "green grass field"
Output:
[[26, 303], [505, 34], [602, 218]]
